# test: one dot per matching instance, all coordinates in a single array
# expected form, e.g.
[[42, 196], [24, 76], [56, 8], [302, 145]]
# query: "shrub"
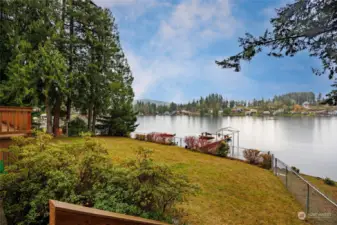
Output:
[[328, 181], [82, 173], [252, 156], [141, 137], [223, 149], [151, 137], [160, 138], [266, 161], [191, 142], [77, 126], [295, 169]]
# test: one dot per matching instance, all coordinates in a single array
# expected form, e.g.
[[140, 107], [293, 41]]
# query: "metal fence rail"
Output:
[[318, 207]]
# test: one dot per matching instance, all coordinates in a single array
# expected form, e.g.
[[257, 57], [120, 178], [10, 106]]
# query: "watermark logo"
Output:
[[301, 215]]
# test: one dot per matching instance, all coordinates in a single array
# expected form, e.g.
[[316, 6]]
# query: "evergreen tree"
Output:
[[120, 121], [62, 54], [305, 25]]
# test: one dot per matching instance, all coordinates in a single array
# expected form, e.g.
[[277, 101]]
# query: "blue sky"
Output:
[[171, 46]]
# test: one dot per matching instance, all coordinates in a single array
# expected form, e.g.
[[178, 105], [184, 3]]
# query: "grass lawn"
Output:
[[232, 192], [329, 191]]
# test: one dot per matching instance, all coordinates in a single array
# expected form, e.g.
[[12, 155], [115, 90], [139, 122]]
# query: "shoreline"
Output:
[[254, 116]]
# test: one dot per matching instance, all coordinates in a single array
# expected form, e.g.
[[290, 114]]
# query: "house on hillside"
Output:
[[333, 113], [251, 112], [266, 113], [237, 110], [306, 105]]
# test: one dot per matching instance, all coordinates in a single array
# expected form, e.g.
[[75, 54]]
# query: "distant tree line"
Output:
[[63, 55], [215, 104], [297, 97]]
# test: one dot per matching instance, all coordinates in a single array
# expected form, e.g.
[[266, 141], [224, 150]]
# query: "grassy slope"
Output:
[[232, 192], [329, 191]]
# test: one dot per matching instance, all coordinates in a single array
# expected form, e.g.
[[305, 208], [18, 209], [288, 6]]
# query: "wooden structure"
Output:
[[62, 213], [14, 121]]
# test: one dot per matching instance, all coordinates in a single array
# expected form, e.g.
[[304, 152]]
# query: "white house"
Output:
[[306, 105]]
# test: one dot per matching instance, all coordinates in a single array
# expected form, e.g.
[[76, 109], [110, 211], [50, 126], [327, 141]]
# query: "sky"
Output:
[[172, 45]]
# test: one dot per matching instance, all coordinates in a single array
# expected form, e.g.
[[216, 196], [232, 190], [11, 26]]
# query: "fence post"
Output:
[[287, 177], [181, 142], [307, 202], [275, 166]]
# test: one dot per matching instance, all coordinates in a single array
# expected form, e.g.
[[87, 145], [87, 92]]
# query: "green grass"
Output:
[[232, 192], [329, 191]]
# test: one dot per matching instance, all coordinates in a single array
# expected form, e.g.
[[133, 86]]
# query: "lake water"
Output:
[[310, 144]]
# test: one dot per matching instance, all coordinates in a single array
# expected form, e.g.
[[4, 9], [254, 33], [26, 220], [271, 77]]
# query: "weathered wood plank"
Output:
[[62, 213]]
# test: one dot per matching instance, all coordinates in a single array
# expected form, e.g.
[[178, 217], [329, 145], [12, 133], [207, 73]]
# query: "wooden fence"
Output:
[[62, 213], [15, 120], [5, 158]]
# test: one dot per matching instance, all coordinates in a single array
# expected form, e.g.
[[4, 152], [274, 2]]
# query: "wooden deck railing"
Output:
[[62, 213], [15, 120]]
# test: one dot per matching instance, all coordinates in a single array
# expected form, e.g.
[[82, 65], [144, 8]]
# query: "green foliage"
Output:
[[56, 53], [153, 189], [328, 181], [266, 161], [295, 97], [295, 169], [83, 173], [120, 122], [332, 96], [223, 149], [141, 137], [76, 127], [300, 26], [226, 112]]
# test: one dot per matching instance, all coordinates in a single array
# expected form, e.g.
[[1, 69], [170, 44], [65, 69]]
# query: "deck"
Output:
[[14, 121]]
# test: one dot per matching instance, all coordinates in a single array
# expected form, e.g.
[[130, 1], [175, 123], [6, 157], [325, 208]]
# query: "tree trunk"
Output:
[[90, 116], [49, 117], [56, 122], [94, 121], [68, 116], [70, 70]]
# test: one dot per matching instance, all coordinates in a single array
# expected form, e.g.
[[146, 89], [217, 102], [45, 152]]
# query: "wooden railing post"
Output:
[[61, 213]]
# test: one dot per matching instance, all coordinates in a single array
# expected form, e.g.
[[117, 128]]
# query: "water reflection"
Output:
[[307, 143]]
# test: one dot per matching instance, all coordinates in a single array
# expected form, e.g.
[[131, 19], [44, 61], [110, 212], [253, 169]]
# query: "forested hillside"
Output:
[[216, 104]]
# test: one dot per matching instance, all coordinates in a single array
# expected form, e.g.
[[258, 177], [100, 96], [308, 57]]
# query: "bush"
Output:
[[76, 127], [328, 181], [223, 149], [191, 142], [161, 138], [141, 137], [252, 156], [266, 161], [295, 169], [82, 173]]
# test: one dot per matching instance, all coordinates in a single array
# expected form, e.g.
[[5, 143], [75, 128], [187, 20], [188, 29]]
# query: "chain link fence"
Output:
[[318, 208]]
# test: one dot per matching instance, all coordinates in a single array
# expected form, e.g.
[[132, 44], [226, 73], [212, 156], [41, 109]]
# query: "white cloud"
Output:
[[134, 8], [171, 54], [195, 24]]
